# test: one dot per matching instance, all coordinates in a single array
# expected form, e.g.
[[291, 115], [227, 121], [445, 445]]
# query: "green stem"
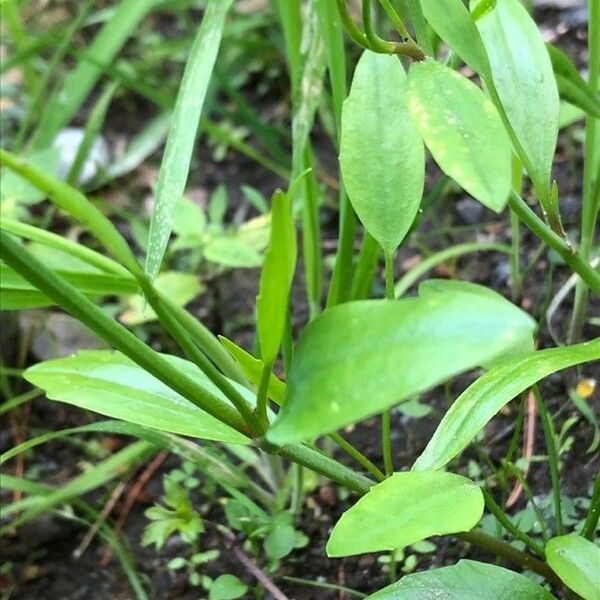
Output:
[[591, 519], [409, 278], [395, 19], [503, 519], [261, 396], [420, 26], [572, 258], [358, 456], [181, 335], [530, 497], [515, 256], [550, 438], [591, 178], [10, 12], [365, 268], [500, 548], [85, 311], [386, 417]]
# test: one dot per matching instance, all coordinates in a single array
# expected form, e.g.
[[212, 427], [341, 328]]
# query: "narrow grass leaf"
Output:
[[17, 293], [523, 77], [182, 134], [462, 129], [577, 562], [571, 85], [467, 580], [381, 155], [109, 383], [276, 278], [404, 509], [66, 102], [107, 470], [484, 398], [360, 358]]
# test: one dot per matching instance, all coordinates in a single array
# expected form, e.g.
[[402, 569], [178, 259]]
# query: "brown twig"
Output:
[[106, 510], [528, 445], [249, 564], [134, 492]]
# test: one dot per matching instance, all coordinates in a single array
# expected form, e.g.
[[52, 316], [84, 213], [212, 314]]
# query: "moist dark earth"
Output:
[[37, 559]]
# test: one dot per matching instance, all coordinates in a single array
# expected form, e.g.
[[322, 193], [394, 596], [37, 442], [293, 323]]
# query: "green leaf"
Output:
[[109, 383], [181, 288], [253, 368], [227, 587], [276, 278], [105, 471], [280, 542], [404, 509], [577, 562], [381, 152], [231, 252], [462, 129], [184, 125], [189, 219], [523, 77], [484, 398], [16, 189], [571, 85], [360, 358], [452, 21], [467, 580], [64, 104]]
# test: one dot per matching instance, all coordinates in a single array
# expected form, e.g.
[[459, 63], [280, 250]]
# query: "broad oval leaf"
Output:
[[360, 358], [381, 151], [467, 580], [276, 278], [523, 77], [109, 383], [452, 21], [484, 398], [462, 129], [577, 562], [404, 509]]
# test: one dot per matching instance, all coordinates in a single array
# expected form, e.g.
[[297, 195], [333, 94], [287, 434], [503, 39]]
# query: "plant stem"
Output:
[[571, 257], [503, 519], [550, 438], [591, 519], [358, 456], [386, 417], [181, 336], [85, 311], [591, 167], [365, 268], [515, 256], [420, 26], [261, 396], [504, 550], [409, 278], [527, 490]]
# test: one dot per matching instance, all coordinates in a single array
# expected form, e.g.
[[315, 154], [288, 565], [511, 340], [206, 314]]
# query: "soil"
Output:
[[37, 559]]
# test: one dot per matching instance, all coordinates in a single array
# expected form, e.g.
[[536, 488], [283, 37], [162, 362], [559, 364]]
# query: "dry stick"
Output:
[[528, 443], [134, 492], [106, 510], [252, 567]]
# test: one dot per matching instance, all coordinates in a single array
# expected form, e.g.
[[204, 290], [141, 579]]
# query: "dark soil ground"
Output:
[[38, 560]]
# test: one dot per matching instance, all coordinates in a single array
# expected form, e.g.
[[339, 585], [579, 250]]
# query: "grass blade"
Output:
[[180, 142], [66, 102]]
